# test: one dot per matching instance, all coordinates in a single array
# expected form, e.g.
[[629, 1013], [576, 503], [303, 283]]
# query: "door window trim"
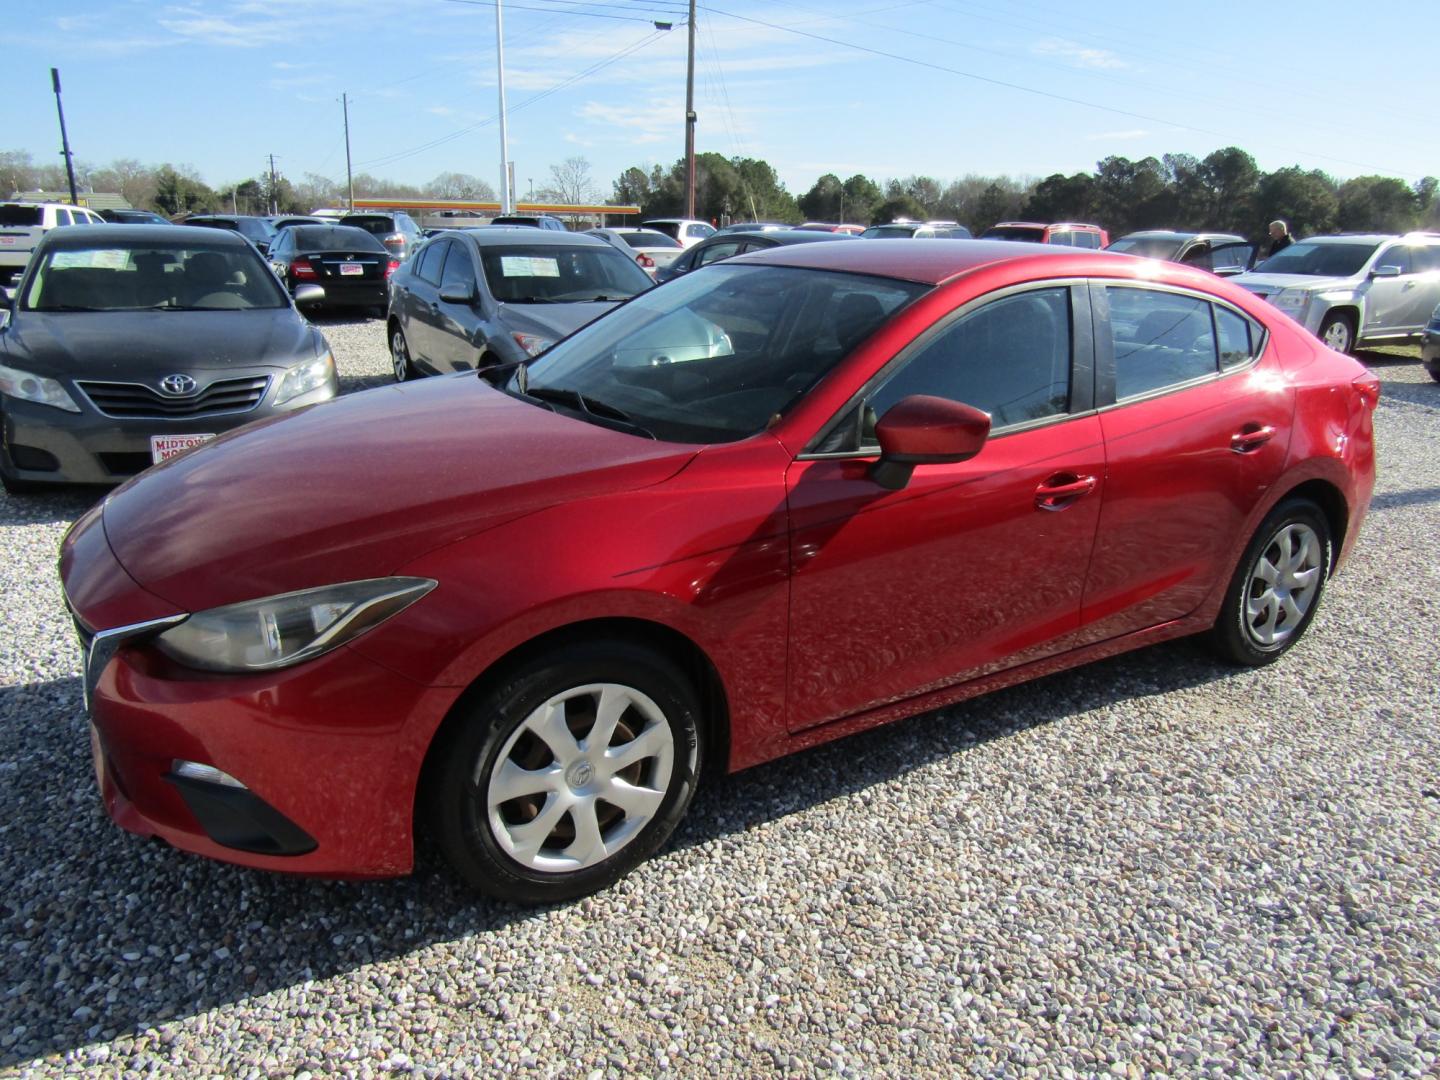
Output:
[[1104, 342], [1082, 367]]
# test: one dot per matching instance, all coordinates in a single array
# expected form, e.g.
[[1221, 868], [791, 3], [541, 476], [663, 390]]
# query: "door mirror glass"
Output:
[[925, 430], [308, 294]]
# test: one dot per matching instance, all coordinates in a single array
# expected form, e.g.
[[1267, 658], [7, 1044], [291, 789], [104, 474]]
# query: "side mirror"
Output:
[[4, 317], [458, 294], [1385, 271], [308, 294], [924, 430]]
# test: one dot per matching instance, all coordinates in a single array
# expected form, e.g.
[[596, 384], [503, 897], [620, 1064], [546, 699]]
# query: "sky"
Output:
[[887, 88]]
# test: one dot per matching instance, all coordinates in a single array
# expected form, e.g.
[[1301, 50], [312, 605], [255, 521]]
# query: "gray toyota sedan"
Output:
[[125, 345]]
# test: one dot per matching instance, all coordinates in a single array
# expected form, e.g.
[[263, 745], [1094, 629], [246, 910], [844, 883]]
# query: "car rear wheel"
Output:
[[1277, 586], [568, 773], [400, 356], [1338, 331]]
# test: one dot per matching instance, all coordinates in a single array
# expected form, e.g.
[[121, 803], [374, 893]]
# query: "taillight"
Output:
[[645, 261], [302, 268], [1367, 388], [394, 240], [394, 265]]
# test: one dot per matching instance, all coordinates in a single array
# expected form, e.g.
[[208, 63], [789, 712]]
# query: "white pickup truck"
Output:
[[23, 224]]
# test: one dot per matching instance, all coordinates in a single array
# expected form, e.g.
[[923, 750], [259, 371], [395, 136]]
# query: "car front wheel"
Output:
[[568, 773], [1277, 586], [1338, 331]]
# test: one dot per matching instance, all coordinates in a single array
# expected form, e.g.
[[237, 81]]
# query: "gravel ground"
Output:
[[1153, 865]]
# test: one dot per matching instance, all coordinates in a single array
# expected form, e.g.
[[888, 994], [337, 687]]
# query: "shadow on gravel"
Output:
[[1413, 497], [105, 934], [63, 505]]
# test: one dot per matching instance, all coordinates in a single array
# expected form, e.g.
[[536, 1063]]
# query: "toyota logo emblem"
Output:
[[177, 385]]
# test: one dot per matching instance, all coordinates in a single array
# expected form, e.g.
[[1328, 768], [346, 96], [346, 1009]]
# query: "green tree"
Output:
[[1063, 198], [1306, 201], [456, 185], [823, 201], [1231, 179], [181, 192], [901, 206], [1376, 204], [862, 198]]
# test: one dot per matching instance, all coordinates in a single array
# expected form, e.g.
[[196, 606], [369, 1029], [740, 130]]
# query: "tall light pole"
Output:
[[689, 119], [505, 207], [64, 138], [349, 176]]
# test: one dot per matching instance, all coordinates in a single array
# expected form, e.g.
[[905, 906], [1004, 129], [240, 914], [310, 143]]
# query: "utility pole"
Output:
[[349, 176], [64, 138], [689, 120], [273, 208], [505, 185]]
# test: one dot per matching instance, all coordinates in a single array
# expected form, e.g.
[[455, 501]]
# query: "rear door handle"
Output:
[[1061, 490], [1251, 438]]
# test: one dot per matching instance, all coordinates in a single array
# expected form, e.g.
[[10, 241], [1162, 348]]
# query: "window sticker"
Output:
[[529, 266]]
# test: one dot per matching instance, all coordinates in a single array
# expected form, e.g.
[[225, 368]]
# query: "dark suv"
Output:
[[396, 230], [257, 230]]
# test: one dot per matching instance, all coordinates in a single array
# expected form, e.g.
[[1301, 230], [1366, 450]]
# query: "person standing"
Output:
[[1280, 237]]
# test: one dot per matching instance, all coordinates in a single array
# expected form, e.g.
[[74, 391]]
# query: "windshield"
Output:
[[335, 238], [131, 277], [1318, 260], [1148, 247], [1015, 232], [715, 355], [553, 274]]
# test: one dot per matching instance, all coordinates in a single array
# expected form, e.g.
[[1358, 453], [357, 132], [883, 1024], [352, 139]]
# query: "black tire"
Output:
[[402, 367], [494, 733], [1239, 634], [1340, 325], [1434, 373]]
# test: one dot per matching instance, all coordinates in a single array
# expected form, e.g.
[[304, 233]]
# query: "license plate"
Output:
[[351, 269], [164, 447], [8, 241]]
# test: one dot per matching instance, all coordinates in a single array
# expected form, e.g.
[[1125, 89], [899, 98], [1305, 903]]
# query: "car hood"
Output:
[[552, 321], [357, 487], [1272, 283], [153, 344]]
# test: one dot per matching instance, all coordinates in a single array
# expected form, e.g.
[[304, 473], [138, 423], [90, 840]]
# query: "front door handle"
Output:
[[1063, 489], [1251, 438]]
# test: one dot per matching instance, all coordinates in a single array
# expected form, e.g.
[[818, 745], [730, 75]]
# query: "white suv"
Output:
[[1353, 290], [23, 224], [687, 231]]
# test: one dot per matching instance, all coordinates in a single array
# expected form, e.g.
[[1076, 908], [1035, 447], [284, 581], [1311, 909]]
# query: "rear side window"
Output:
[[1010, 358], [427, 263], [700, 231], [1425, 258], [1161, 339], [1237, 336], [62, 217]]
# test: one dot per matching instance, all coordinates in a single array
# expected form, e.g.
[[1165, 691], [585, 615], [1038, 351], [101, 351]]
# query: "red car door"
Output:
[[972, 567], [1195, 437]]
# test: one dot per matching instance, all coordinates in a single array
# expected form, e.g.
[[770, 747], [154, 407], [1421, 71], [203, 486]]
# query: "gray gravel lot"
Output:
[[1150, 865]]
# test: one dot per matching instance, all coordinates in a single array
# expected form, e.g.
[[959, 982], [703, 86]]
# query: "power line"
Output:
[[551, 11], [915, 61]]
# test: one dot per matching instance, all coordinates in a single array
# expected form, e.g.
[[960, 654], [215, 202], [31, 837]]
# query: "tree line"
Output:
[[1224, 191]]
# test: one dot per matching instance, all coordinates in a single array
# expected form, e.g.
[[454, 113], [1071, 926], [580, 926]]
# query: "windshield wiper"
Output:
[[602, 412], [536, 300]]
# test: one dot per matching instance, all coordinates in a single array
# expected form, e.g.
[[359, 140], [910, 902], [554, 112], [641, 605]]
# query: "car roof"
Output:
[[928, 263], [1173, 234], [493, 236], [85, 236], [1361, 238]]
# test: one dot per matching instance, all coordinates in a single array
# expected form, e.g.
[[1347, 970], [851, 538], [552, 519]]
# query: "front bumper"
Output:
[[47, 445], [326, 753]]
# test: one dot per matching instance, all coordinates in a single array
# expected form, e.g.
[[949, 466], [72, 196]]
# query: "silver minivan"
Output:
[[22, 225]]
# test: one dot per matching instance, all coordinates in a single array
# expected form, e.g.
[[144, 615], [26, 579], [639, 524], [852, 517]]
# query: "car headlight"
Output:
[[278, 631], [306, 376], [1291, 300], [30, 387], [533, 344]]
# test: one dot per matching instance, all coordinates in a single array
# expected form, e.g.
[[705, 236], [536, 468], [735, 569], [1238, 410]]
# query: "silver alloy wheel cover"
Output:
[[1284, 581], [582, 774], [1337, 335], [399, 355]]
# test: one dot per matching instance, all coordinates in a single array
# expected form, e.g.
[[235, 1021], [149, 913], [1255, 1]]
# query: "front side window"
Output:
[[1397, 256], [1010, 358], [62, 217], [1161, 339], [459, 270], [716, 252], [715, 355], [701, 231], [171, 276]]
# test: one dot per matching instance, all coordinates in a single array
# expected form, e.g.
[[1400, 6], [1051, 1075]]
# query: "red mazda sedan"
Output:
[[782, 499]]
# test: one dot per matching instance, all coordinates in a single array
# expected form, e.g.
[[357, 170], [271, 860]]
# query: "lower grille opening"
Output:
[[125, 464], [33, 458]]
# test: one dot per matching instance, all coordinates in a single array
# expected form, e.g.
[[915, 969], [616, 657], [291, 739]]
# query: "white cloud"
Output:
[[1078, 55]]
